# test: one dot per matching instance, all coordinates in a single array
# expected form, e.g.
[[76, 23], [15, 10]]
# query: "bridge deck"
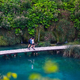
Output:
[[36, 49]]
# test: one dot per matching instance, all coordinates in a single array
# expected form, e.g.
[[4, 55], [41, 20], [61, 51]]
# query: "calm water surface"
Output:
[[69, 68]]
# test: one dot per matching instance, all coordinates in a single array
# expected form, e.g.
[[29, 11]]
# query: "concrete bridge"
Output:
[[36, 49]]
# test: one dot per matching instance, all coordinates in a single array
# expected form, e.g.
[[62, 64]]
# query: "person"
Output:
[[30, 42]]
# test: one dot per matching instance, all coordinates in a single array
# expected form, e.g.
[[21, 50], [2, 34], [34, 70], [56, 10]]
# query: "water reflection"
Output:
[[48, 67], [8, 76], [32, 63]]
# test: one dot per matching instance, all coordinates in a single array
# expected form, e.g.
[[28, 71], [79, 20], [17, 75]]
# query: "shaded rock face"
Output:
[[25, 36], [62, 31], [40, 31], [9, 38], [45, 35], [56, 33], [65, 30]]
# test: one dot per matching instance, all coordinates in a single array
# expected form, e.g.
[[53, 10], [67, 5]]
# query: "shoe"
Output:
[[33, 49]]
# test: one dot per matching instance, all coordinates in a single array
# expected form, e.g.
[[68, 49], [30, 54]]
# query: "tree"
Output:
[[42, 14]]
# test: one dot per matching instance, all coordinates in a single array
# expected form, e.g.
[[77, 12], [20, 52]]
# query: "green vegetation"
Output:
[[73, 43], [59, 17], [40, 44], [2, 40], [72, 52]]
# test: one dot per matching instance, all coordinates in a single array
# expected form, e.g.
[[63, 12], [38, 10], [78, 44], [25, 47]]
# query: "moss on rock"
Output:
[[3, 42], [9, 38]]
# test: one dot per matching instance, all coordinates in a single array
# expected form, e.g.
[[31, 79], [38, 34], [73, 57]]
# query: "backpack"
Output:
[[29, 41]]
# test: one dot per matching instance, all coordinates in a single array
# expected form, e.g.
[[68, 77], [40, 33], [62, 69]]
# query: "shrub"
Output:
[[5, 24], [49, 37], [25, 5], [9, 7], [3, 42], [64, 31], [1, 17], [42, 44], [20, 22], [72, 52]]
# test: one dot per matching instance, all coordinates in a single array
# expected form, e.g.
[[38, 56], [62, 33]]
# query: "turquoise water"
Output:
[[14, 47], [23, 66]]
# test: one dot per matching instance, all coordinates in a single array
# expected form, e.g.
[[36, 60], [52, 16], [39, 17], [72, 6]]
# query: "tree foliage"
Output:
[[30, 14], [42, 14]]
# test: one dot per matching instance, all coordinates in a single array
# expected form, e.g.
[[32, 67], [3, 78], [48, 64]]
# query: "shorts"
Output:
[[32, 44]]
